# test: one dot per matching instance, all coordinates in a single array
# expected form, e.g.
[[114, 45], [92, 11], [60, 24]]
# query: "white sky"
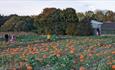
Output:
[[34, 7]]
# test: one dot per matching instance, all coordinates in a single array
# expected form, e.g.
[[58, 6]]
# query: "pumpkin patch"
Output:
[[75, 53]]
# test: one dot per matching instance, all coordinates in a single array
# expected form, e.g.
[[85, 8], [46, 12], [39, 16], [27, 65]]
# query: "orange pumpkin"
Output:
[[109, 63], [72, 50], [113, 67], [81, 58], [46, 49], [113, 52], [44, 56], [29, 67], [82, 68]]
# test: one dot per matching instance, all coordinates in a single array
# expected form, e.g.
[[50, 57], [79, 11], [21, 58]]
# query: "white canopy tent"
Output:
[[96, 26]]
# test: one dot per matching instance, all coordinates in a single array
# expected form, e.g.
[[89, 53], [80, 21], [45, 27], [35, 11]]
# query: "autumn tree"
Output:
[[109, 16]]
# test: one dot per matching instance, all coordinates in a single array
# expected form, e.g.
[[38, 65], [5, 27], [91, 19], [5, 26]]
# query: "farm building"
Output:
[[103, 28], [108, 28]]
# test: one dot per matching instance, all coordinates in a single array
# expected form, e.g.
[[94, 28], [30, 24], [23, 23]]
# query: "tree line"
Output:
[[56, 21]]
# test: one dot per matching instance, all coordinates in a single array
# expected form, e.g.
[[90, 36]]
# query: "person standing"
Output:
[[98, 31], [13, 38], [6, 37], [49, 37]]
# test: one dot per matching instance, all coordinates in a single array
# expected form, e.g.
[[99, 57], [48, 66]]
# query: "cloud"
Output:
[[34, 7]]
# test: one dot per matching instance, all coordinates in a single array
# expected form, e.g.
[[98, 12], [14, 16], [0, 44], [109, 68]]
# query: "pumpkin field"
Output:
[[34, 52]]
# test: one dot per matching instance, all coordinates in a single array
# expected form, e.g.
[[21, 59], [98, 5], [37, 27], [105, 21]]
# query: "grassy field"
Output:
[[33, 52]]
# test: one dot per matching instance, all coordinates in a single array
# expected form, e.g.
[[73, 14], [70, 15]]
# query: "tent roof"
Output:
[[96, 22]]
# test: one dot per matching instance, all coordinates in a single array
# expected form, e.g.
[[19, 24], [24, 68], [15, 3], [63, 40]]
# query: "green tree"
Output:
[[89, 14], [84, 27], [18, 23], [71, 19], [80, 16]]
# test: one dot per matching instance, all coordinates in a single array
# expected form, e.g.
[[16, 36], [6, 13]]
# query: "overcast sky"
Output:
[[34, 7]]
